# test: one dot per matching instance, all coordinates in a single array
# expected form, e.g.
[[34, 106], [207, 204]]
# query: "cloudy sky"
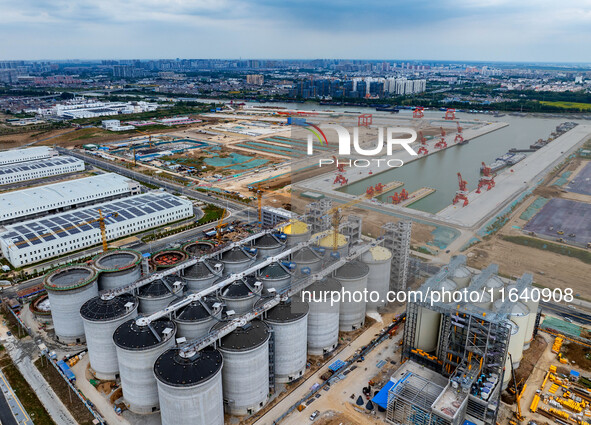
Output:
[[490, 30]]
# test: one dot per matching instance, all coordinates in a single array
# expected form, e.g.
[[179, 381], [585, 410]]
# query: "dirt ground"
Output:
[[577, 353]]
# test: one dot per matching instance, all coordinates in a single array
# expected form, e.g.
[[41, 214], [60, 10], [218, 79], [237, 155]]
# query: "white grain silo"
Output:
[[118, 268], [296, 232], [138, 347], [379, 261], [327, 242], [289, 325], [168, 258], [196, 319], [514, 347], [353, 277], [158, 294], [308, 260], [201, 275], [427, 329], [270, 244], [101, 316], [190, 387], [519, 315], [237, 260], [495, 286], [461, 276], [245, 375], [528, 296], [241, 294], [276, 276], [323, 316], [68, 288], [197, 248]]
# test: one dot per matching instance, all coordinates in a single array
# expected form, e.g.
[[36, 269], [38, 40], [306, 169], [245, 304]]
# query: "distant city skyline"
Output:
[[449, 30]]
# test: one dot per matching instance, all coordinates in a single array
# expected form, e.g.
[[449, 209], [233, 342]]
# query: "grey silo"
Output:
[[138, 347], [190, 387], [236, 260], [270, 245], [353, 277], [201, 275], [158, 294], [241, 295], [289, 325], [245, 375], [276, 276], [68, 288], [323, 316], [197, 248], [308, 258], [101, 316], [118, 268], [196, 319], [379, 260]]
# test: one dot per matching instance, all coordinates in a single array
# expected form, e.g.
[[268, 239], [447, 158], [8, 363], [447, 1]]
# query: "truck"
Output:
[[67, 371]]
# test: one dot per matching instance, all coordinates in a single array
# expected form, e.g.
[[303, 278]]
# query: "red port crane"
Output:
[[369, 191], [418, 112], [399, 197], [487, 179], [423, 149], [462, 194], [340, 179], [442, 131], [450, 114], [459, 136], [441, 144], [379, 187]]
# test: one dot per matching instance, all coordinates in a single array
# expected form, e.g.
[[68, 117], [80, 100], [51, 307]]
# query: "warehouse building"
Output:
[[36, 240], [29, 154], [58, 197], [31, 170]]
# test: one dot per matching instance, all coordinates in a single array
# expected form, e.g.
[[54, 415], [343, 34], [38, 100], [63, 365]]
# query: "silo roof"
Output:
[[131, 336], [237, 289], [235, 254], [99, 309], [70, 277], [195, 310], [158, 288], [200, 270], [329, 284], [328, 240], [117, 260], [254, 334], [173, 369], [352, 270], [305, 254], [273, 271], [287, 312], [267, 241], [295, 228], [379, 253]]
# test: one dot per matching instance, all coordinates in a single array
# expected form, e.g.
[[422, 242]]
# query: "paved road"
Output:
[[562, 310], [6, 416]]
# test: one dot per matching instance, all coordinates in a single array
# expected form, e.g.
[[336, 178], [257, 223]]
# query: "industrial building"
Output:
[[36, 240], [458, 352], [28, 154], [32, 170], [58, 197]]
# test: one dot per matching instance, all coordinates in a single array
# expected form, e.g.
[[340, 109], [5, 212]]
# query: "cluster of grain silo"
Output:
[[353, 277], [158, 294], [118, 268], [323, 316]]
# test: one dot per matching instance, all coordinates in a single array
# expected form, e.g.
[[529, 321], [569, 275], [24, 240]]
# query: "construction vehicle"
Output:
[[560, 232], [518, 394], [101, 220], [487, 179], [418, 112], [462, 193]]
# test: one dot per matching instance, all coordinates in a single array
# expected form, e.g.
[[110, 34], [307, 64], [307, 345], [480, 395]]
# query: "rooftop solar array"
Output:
[[38, 231], [35, 165], [27, 154]]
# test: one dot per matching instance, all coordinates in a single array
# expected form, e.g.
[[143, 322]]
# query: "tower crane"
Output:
[[149, 138], [218, 227], [101, 220], [337, 218], [462, 193]]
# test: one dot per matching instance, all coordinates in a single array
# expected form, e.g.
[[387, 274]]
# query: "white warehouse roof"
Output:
[[35, 240], [32, 170], [28, 154], [37, 200]]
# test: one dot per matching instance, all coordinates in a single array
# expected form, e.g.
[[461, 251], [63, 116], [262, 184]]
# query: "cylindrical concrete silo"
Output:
[[201, 275], [323, 316], [241, 294], [428, 327], [461, 276], [379, 261], [138, 347], [307, 260], [527, 295], [353, 277], [237, 260], [245, 375], [196, 319], [296, 232], [41, 309], [158, 294], [101, 316], [168, 258], [514, 347], [197, 248], [190, 387], [519, 314], [495, 286], [327, 242], [275, 276], [68, 288], [289, 325], [118, 268], [270, 244]]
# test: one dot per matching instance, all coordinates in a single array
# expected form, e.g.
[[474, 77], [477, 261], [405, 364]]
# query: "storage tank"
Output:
[[496, 285], [427, 329], [275, 275], [245, 375], [323, 316], [101, 316], [308, 259], [169, 258], [241, 294], [68, 288], [519, 315], [461, 276], [289, 325], [190, 387], [296, 232], [532, 307], [237, 260], [270, 244], [118, 268], [513, 348], [41, 309], [196, 319], [353, 276], [379, 260], [197, 248], [158, 294], [327, 242], [138, 347], [201, 275]]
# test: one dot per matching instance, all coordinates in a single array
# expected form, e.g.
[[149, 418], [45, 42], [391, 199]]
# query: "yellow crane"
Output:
[[337, 217], [218, 227], [145, 134], [518, 394], [101, 220]]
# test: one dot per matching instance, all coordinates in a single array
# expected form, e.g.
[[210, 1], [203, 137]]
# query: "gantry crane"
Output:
[[101, 220], [450, 114], [418, 112]]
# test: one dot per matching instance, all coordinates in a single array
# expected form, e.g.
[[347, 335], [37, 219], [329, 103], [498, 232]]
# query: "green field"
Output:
[[568, 105]]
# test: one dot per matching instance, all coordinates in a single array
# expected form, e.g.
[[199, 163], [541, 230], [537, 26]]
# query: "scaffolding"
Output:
[[397, 240], [317, 216]]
